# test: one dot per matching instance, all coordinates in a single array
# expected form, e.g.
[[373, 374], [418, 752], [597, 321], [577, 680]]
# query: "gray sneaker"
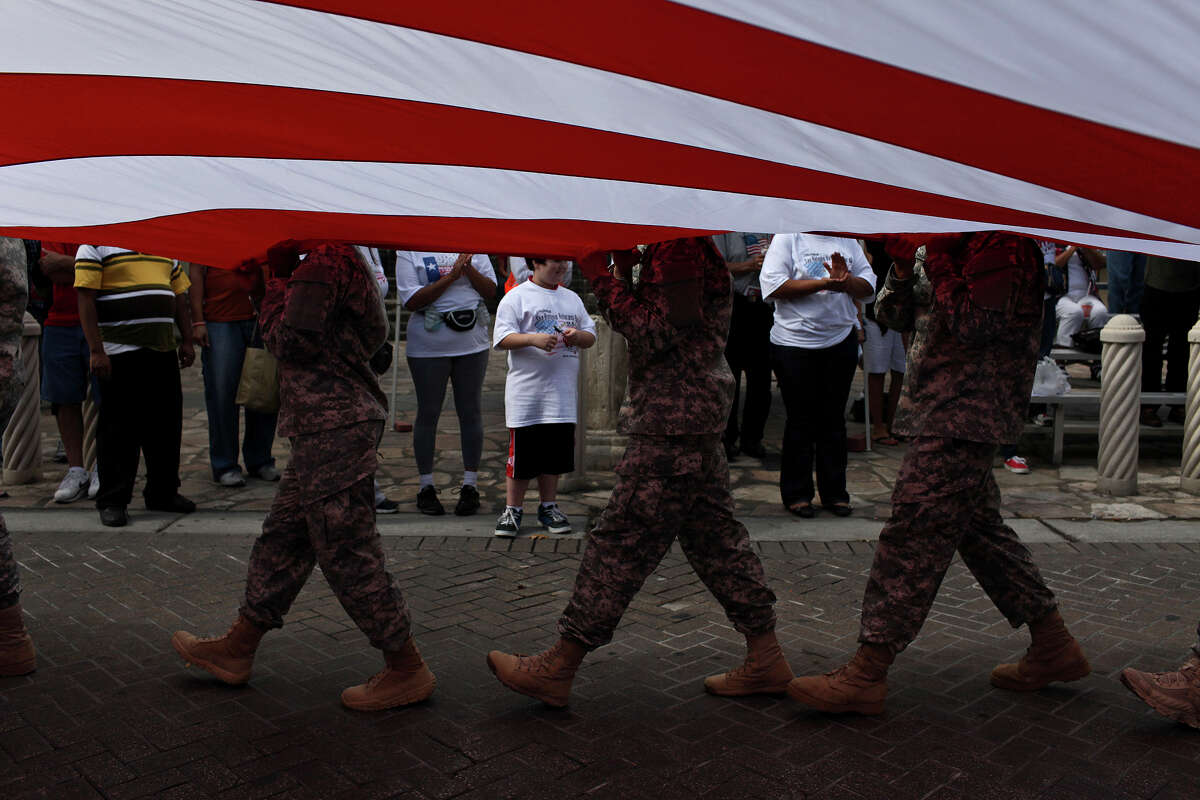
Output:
[[265, 473], [232, 479], [74, 486], [508, 524]]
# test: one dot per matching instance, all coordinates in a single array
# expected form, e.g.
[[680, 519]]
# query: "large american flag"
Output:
[[209, 129]]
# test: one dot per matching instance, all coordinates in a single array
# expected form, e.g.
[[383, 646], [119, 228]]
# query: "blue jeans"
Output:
[[1126, 278], [222, 362]]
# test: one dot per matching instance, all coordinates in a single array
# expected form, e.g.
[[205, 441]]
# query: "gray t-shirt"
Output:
[[735, 247]]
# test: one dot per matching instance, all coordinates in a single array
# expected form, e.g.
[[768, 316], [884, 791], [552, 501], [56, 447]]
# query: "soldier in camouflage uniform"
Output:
[[673, 481], [17, 656], [975, 309], [323, 322]]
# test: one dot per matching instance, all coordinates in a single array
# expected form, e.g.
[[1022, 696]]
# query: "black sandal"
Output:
[[802, 509]]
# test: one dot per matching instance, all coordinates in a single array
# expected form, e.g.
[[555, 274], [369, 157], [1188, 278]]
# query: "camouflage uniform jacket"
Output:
[[679, 380], [323, 325], [14, 294], [975, 312]]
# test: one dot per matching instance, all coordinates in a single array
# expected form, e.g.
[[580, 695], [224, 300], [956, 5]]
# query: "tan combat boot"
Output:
[[546, 676], [17, 656], [1175, 695], [405, 680], [765, 670], [858, 687], [1053, 655], [228, 657]]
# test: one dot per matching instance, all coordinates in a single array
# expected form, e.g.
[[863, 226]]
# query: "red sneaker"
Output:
[[1017, 464]]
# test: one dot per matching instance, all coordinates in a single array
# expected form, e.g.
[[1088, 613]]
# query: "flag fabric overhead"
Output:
[[210, 129]]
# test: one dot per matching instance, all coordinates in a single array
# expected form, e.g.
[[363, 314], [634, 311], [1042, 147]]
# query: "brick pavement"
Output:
[[111, 712]]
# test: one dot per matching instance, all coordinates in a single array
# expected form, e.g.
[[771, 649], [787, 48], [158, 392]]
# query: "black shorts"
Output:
[[541, 450]]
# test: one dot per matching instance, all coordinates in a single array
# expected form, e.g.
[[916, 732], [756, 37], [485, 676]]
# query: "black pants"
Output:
[[141, 411], [1167, 316], [815, 385], [748, 351]]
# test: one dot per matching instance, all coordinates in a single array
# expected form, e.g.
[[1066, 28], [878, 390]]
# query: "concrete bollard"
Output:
[[1120, 401], [1189, 478], [604, 384], [23, 436], [91, 420]]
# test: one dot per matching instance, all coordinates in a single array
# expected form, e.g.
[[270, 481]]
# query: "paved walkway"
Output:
[[112, 713], [1064, 492]]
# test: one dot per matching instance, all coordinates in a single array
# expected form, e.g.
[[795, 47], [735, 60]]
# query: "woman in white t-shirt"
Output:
[[448, 340], [814, 281], [1079, 308]]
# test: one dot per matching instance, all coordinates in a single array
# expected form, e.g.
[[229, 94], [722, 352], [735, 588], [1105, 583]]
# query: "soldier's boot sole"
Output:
[[1002, 680], [1070, 665], [777, 690], [422, 688], [1181, 710], [550, 700], [867, 708], [237, 676]]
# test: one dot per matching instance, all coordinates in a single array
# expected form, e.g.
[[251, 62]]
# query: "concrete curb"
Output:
[[778, 529]]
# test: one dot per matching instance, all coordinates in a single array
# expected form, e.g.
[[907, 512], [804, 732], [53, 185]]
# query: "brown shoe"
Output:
[[228, 657], [1054, 655], [17, 656], [546, 676], [405, 680], [859, 687], [765, 670], [1175, 695]]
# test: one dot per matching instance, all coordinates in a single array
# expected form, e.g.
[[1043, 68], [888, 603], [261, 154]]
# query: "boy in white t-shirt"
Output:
[[542, 325]]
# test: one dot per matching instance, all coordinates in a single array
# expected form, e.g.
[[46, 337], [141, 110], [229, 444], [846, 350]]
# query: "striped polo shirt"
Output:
[[135, 296]]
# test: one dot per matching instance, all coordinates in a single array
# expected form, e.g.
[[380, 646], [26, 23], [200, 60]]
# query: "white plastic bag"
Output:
[[1049, 379]]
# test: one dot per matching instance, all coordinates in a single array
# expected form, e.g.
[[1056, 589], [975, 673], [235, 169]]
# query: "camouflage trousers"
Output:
[[338, 532], [946, 500], [10, 576], [668, 488]]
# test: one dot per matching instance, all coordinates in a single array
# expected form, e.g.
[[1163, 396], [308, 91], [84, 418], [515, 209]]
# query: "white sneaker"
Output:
[[1017, 464], [233, 478], [74, 486], [94, 486]]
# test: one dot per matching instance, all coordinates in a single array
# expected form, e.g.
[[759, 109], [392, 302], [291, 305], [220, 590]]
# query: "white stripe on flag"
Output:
[[449, 191]]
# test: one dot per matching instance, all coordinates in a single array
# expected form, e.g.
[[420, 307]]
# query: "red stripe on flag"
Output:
[[212, 237], [242, 120], [702, 52]]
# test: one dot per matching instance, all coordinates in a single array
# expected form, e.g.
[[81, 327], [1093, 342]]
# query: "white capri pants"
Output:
[[1070, 314]]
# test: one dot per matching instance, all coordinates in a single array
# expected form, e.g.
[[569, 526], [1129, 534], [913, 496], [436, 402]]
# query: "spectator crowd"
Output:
[[119, 325]]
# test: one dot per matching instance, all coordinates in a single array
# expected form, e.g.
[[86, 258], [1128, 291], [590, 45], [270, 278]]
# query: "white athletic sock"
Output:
[[551, 504], [470, 477], [426, 480], [518, 509]]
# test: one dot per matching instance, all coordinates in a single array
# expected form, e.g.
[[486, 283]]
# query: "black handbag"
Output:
[[1088, 341]]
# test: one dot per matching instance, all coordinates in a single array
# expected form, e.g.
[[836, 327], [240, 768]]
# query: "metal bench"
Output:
[[1088, 399]]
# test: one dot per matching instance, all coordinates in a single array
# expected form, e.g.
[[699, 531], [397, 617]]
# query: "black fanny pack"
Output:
[[461, 320]]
